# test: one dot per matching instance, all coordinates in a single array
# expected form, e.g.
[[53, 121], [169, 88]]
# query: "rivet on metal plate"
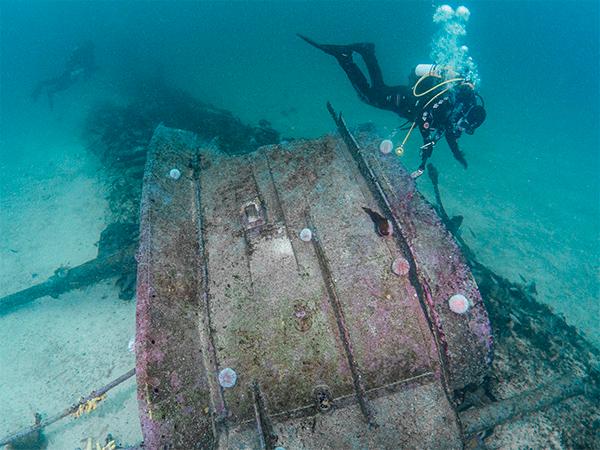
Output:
[[252, 214], [323, 398]]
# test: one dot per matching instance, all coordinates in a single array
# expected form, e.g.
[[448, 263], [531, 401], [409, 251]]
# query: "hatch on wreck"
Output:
[[346, 340]]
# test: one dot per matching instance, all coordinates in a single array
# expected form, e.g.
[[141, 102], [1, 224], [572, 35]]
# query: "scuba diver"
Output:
[[440, 102], [80, 65]]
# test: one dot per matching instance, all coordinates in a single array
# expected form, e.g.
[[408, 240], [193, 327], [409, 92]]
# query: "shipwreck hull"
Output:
[[332, 348]]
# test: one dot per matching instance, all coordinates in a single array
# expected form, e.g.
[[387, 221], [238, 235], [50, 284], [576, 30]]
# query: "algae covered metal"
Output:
[[272, 312]]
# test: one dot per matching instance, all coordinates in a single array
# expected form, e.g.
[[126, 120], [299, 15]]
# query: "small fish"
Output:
[[382, 225]]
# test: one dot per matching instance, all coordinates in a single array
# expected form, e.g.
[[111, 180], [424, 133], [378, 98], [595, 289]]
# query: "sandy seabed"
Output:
[[57, 350]]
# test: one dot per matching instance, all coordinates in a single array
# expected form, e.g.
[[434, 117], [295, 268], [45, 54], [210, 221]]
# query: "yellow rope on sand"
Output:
[[90, 445], [88, 406], [73, 410]]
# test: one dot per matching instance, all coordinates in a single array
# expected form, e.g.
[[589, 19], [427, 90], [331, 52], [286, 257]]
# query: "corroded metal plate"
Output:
[[320, 332]]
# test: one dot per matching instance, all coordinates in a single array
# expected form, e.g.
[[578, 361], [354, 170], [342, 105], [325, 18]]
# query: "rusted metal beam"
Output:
[[64, 280], [489, 416], [70, 410]]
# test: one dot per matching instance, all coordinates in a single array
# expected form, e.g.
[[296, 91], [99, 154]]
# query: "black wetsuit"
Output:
[[441, 117], [80, 65]]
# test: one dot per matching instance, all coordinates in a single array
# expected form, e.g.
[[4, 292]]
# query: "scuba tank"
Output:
[[435, 70], [427, 69]]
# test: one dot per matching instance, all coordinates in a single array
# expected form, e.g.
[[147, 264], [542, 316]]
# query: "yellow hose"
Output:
[[427, 75], [400, 148]]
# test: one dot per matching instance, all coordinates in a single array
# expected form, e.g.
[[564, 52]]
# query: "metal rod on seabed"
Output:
[[85, 274], [71, 409], [480, 419]]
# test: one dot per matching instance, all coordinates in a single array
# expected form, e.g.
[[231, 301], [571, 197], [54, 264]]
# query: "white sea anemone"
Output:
[[464, 49], [463, 12], [443, 13], [227, 377], [306, 235], [175, 174], [459, 304], [386, 146], [400, 266]]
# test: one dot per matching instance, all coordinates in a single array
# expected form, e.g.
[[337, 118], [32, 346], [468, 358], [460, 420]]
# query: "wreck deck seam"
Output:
[[392, 244], [210, 360], [282, 212], [263, 423], [420, 285], [359, 387], [345, 401]]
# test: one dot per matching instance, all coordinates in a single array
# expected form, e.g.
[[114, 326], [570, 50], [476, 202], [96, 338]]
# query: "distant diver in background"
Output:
[[440, 102], [80, 66]]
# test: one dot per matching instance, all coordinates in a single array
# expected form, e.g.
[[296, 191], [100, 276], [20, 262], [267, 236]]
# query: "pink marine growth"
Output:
[[400, 266]]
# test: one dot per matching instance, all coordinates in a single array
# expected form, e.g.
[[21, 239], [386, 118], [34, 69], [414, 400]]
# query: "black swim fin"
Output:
[[338, 51]]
